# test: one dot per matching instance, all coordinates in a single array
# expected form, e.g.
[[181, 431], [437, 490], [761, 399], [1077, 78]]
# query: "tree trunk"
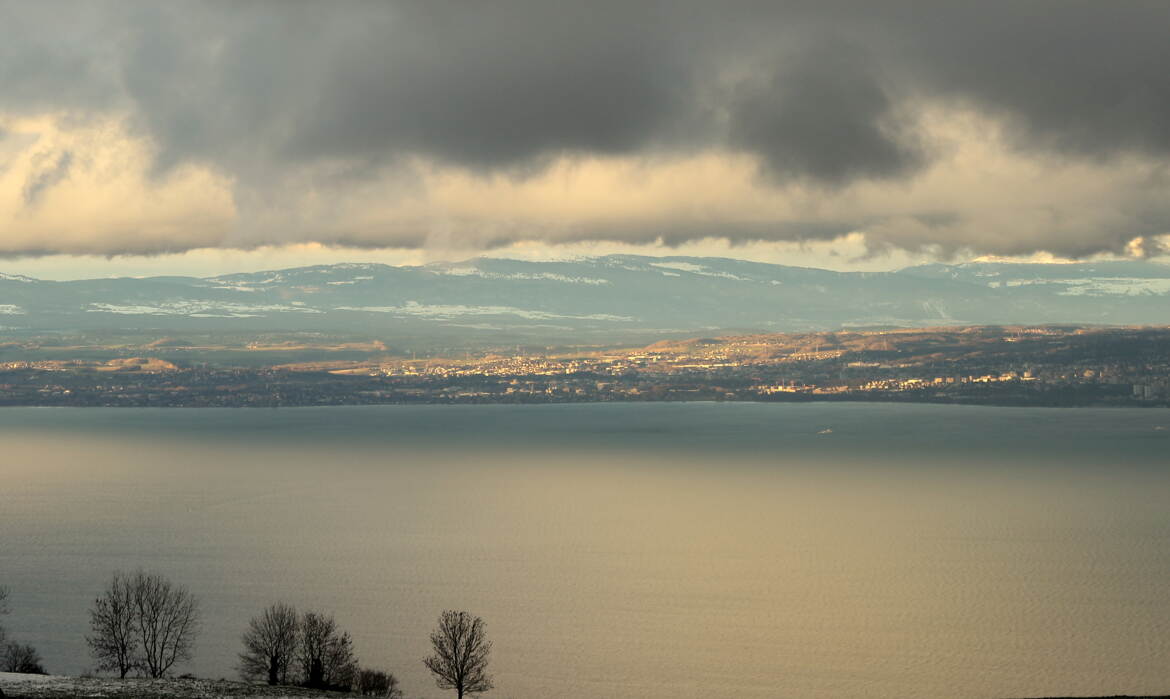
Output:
[[272, 672]]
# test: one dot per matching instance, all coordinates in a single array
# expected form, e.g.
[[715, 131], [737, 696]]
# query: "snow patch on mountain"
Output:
[[684, 266], [441, 312], [698, 269], [1098, 286], [549, 276], [197, 309], [236, 287], [245, 285], [1115, 286], [358, 265]]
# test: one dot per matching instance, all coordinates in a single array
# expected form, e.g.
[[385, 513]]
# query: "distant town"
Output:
[[1037, 366]]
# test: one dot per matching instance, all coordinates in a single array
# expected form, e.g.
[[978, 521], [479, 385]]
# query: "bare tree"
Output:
[[143, 621], [461, 654], [316, 630], [326, 654], [3, 610], [270, 644], [22, 658], [113, 640], [168, 619], [341, 665]]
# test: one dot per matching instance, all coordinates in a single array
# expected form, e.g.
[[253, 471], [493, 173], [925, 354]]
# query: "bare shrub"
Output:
[[375, 683], [22, 658]]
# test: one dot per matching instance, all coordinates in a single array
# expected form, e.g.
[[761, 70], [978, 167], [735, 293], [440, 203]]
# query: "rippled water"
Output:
[[671, 550]]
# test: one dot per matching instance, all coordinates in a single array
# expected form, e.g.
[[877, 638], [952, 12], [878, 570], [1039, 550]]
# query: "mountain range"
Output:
[[611, 299]]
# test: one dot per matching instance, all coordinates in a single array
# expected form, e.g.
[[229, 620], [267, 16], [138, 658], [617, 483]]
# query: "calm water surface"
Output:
[[675, 550]]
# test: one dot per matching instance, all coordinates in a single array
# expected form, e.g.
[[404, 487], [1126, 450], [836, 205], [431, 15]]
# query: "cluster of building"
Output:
[[1103, 367]]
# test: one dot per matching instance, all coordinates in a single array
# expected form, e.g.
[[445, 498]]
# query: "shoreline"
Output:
[[1135, 404]]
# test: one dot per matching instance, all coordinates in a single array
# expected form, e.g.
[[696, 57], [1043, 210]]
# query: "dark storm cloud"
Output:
[[1084, 78], [260, 84], [827, 93], [55, 56], [823, 116], [494, 88]]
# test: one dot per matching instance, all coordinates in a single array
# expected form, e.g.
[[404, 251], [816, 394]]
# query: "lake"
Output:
[[624, 550]]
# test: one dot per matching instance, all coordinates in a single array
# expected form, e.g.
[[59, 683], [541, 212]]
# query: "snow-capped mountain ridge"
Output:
[[611, 298]]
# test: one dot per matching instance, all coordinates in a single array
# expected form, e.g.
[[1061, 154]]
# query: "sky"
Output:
[[206, 137]]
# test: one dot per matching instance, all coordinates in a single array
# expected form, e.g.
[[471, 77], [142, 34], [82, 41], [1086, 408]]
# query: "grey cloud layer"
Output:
[[824, 93]]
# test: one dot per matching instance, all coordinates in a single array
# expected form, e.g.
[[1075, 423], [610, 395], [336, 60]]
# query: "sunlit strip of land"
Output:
[[998, 365]]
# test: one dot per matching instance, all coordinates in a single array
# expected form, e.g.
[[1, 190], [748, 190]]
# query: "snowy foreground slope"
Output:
[[616, 298], [56, 687], [52, 687]]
